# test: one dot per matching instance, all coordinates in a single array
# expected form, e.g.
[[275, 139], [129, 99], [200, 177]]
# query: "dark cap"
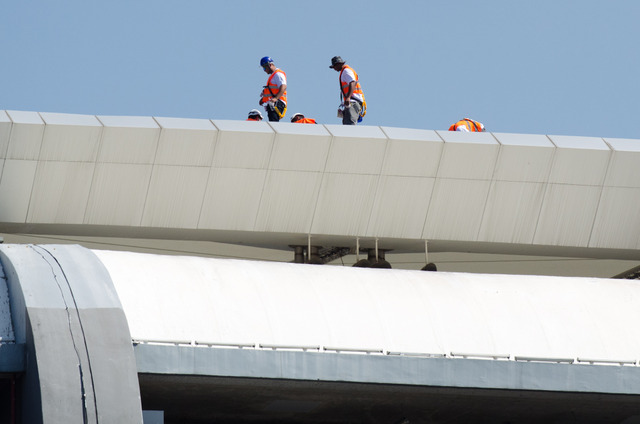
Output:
[[335, 60]]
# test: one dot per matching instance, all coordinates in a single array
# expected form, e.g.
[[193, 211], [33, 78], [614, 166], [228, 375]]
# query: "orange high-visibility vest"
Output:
[[344, 87], [306, 121], [270, 90], [471, 125]]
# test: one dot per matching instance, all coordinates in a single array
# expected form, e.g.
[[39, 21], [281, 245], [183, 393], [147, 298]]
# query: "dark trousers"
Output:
[[273, 116], [351, 114], [271, 112]]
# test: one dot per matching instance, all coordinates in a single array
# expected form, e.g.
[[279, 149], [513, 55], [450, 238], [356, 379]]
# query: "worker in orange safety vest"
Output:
[[274, 94], [354, 106], [467, 125], [299, 118]]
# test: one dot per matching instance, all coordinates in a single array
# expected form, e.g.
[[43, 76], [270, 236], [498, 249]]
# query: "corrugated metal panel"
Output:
[[15, 189], [118, 193], [412, 152], [356, 150], [524, 157], [230, 301], [70, 138], [512, 212], [567, 215], [299, 147], [624, 170], [455, 211], [26, 135], [344, 204], [579, 160], [60, 192], [188, 142], [287, 201], [128, 139], [5, 132], [232, 199], [400, 206], [468, 155], [618, 215], [175, 196], [243, 144]]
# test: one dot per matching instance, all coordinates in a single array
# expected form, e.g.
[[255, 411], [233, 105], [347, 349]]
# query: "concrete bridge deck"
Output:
[[277, 184]]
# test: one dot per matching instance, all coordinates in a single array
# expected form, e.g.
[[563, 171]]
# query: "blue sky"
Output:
[[557, 67]]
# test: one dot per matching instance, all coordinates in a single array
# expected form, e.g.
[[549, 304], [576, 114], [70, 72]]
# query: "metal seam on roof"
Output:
[[206, 187], [266, 178], [604, 177]]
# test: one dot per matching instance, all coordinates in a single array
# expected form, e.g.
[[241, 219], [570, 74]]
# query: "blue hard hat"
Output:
[[265, 61]]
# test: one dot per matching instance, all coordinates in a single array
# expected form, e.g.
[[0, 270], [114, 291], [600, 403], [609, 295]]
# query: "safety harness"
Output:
[[344, 89], [280, 106]]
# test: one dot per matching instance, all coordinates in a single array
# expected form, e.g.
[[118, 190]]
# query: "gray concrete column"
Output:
[[80, 362]]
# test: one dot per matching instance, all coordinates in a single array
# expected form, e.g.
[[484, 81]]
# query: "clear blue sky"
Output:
[[543, 67]]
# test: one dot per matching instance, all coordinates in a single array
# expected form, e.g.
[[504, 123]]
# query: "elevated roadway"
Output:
[[214, 340], [282, 184]]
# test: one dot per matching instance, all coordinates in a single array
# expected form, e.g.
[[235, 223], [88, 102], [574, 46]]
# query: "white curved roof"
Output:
[[276, 183], [232, 302]]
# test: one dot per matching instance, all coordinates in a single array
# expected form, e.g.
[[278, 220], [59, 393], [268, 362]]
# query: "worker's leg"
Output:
[[273, 116], [351, 114]]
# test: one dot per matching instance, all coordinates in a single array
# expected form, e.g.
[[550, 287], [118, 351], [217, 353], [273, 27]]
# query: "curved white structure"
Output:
[[275, 184], [208, 340], [231, 302]]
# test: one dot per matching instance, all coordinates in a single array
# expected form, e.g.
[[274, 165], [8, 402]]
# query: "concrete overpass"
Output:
[[216, 340], [279, 184], [107, 334]]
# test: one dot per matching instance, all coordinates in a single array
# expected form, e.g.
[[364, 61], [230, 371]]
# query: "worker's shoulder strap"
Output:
[[268, 86], [474, 123], [344, 68]]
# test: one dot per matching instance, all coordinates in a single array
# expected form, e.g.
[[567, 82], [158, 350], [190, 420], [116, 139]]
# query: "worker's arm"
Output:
[[280, 92], [347, 98]]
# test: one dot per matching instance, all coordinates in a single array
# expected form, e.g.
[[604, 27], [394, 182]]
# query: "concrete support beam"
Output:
[[80, 366]]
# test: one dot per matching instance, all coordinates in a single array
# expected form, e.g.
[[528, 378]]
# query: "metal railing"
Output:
[[383, 352]]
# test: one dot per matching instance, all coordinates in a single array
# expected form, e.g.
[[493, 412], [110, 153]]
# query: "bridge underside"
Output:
[[284, 241], [200, 399], [204, 384]]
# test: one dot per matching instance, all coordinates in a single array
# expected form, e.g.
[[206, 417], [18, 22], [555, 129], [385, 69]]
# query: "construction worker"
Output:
[[299, 118], [467, 125], [254, 115], [353, 106], [274, 94]]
